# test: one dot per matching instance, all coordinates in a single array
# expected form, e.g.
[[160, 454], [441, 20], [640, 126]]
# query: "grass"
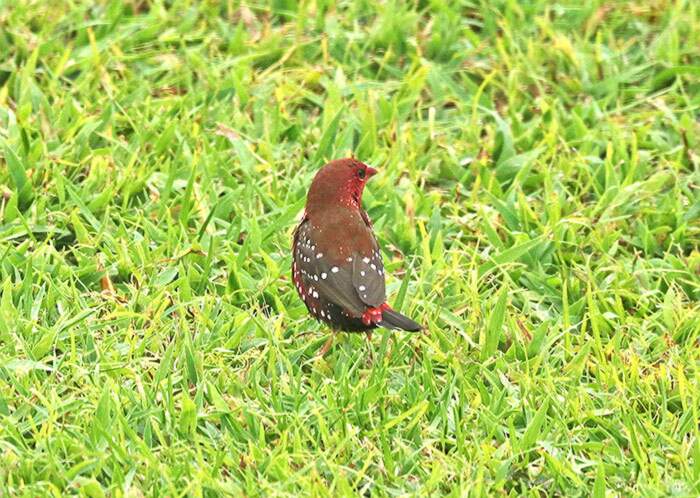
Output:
[[537, 203]]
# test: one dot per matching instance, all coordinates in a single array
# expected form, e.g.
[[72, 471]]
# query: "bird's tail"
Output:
[[394, 320]]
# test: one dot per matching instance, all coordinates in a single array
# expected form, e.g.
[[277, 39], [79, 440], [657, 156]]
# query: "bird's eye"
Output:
[[361, 173]]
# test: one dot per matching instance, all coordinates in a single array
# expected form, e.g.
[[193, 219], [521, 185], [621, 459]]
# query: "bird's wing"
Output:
[[332, 280], [368, 270], [368, 277]]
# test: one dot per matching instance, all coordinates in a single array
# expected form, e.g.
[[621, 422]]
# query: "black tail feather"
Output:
[[394, 320]]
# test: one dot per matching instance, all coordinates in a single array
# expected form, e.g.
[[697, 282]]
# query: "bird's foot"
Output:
[[326, 346]]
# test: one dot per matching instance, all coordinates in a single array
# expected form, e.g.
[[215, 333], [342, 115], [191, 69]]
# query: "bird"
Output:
[[337, 266]]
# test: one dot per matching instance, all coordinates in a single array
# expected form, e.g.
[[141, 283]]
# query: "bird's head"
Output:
[[339, 183]]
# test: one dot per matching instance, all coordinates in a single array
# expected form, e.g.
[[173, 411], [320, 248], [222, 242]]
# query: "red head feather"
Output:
[[340, 182]]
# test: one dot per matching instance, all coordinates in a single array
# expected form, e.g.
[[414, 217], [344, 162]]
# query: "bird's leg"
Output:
[[368, 335], [326, 346]]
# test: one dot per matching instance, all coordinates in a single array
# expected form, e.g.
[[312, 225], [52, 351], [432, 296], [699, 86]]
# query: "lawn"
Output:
[[537, 202]]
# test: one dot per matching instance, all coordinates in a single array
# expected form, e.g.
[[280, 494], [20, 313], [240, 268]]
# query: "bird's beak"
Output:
[[370, 172]]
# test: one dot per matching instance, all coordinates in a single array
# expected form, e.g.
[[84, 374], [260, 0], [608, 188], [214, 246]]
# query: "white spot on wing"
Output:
[[335, 269], [324, 275]]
